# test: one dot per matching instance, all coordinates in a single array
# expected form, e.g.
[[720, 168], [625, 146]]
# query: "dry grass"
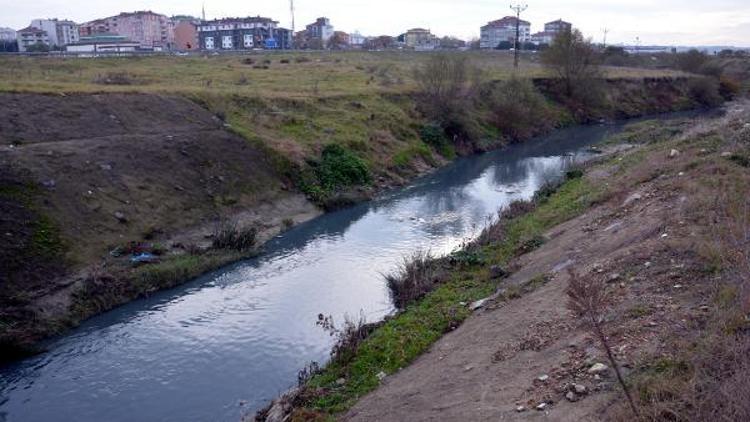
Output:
[[416, 276], [302, 75]]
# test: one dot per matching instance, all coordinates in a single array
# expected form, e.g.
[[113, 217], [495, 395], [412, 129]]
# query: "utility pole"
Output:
[[518, 8], [606, 31], [291, 9]]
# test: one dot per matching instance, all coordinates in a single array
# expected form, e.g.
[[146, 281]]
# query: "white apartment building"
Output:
[[59, 32], [502, 30]]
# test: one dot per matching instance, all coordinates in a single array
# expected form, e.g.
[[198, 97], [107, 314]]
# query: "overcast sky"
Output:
[[668, 22]]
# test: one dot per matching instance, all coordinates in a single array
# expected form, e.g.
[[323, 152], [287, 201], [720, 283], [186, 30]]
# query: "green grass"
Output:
[[405, 337]]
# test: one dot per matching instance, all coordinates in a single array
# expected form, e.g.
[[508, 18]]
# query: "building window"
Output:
[[248, 41], [209, 43], [226, 42]]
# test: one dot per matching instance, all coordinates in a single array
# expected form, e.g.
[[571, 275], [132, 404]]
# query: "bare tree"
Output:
[[574, 59], [587, 298]]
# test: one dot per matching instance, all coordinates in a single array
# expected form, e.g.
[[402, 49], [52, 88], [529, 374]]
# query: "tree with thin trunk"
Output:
[[587, 298]]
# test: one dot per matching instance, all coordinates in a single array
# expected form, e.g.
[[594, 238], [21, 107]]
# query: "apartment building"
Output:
[[59, 32], [504, 30], [31, 37], [320, 30], [150, 30], [243, 34], [420, 39]]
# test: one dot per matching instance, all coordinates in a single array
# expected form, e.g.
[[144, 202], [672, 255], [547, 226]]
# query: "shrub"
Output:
[[339, 167], [114, 78], [729, 88], [434, 135], [518, 109], [705, 91], [448, 87], [574, 60], [227, 235], [416, 276]]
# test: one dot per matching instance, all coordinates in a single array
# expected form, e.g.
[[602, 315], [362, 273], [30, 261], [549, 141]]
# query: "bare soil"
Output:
[[518, 359]]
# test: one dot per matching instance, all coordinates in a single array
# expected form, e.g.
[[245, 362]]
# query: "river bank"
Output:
[[652, 223], [89, 178]]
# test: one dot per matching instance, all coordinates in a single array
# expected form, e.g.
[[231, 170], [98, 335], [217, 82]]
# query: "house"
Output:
[[243, 34], [420, 39], [151, 30], [186, 33], [321, 30], [60, 32], [551, 31], [558, 26], [33, 39], [504, 30], [103, 44]]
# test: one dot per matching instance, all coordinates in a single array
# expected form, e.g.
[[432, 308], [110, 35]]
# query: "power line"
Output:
[[518, 8]]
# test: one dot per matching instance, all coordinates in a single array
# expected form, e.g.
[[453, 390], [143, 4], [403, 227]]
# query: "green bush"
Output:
[[433, 135], [339, 168]]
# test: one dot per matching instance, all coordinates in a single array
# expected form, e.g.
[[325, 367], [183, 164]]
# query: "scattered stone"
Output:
[[468, 368], [479, 304], [521, 409], [632, 198], [598, 368], [580, 389], [121, 217], [541, 406], [543, 378], [571, 397], [647, 264], [49, 184], [674, 153], [497, 271], [726, 154], [613, 278], [381, 375], [105, 167]]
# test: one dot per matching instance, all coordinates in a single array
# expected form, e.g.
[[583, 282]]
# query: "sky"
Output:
[[653, 22]]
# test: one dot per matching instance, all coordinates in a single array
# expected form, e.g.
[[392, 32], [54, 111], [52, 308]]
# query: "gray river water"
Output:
[[223, 345]]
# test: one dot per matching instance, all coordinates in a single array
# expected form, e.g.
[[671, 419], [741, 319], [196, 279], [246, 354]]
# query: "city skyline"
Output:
[[720, 22]]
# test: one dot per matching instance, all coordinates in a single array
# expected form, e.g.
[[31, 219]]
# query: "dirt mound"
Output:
[[31, 118]]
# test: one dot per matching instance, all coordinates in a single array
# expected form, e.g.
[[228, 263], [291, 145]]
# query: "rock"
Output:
[[571, 397], [341, 381], [674, 153], [632, 198], [105, 167], [497, 271], [381, 375], [49, 184], [580, 389], [281, 407], [121, 217], [613, 278], [541, 406], [543, 378], [598, 368], [479, 304], [521, 409], [726, 154]]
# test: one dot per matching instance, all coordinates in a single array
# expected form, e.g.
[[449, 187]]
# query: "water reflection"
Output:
[[239, 335]]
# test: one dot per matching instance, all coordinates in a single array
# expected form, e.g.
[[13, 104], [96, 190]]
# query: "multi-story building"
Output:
[[103, 44], [60, 32], [320, 30], [30, 37], [243, 34], [504, 30], [7, 34], [357, 40], [151, 30], [186, 33], [558, 26], [420, 39], [551, 31]]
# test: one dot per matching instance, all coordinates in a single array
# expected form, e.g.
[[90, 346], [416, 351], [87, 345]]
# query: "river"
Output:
[[223, 345]]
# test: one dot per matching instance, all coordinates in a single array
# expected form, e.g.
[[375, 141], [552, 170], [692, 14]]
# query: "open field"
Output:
[[289, 75]]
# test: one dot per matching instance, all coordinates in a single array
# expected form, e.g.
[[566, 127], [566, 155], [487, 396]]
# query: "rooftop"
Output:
[[507, 21]]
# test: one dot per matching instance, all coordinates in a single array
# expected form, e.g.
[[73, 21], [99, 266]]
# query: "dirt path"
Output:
[[518, 360]]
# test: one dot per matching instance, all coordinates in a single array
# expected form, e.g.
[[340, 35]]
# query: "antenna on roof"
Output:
[[203, 11]]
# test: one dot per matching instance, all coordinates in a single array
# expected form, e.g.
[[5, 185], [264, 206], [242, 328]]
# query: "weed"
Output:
[[227, 235], [417, 275]]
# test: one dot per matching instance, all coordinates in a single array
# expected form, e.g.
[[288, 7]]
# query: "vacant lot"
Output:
[[291, 75]]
